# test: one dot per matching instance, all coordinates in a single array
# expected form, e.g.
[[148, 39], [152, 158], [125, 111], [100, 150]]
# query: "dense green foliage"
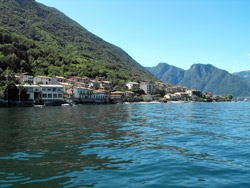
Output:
[[43, 41], [206, 78], [167, 73]]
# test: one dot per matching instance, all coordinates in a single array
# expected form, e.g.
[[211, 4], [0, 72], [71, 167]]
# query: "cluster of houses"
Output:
[[86, 90]]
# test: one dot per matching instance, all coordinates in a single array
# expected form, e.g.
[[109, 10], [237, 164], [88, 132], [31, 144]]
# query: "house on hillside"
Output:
[[42, 80], [133, 85], [26, 78], [57, 79]]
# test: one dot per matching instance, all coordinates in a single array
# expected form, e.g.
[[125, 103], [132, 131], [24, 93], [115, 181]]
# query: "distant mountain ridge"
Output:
[[204, 77], [41, 40], [245, 75]]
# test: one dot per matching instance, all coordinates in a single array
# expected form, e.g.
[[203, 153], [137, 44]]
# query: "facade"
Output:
[[133, 85], [194, 92], [82, 93], [147, 87], [51, 92], [25, 78], [106, 85], [79, 79], [33, 91], [42, 80], [172, 97], [129, 93], [98, 94], [57, 79], [182, 95], [68, 91]]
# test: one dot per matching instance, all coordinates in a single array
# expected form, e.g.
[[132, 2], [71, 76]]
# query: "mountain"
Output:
[[245, 75], [167, 73], [203, 77], [41, 40]]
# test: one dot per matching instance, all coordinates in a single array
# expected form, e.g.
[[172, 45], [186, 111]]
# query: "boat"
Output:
[[65, 105], [39, 106]]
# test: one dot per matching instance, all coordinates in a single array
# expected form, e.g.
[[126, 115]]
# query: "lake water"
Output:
[[134, 146]]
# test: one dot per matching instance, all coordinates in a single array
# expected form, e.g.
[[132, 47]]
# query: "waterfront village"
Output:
[[57, 90]]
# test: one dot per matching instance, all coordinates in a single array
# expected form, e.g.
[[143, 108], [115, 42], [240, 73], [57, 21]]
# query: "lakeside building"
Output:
[[68, 92], [172, 97], [129, 93], [81, 93], [133, 85], [45, 92], [193, 92], [182, 95], [33, 91], [147, 87], [51, 93]]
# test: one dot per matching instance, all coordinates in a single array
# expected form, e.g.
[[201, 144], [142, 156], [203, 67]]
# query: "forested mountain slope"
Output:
[[41, 40], [203, 77]]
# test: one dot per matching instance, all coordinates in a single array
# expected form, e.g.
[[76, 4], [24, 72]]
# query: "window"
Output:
[[49, 95], [54, 95], [60, 96], [44, 95], [49, 89], [54, 89]]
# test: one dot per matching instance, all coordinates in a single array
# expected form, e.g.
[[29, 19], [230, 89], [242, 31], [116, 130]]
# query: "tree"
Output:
[[11, 91], [230, 96]]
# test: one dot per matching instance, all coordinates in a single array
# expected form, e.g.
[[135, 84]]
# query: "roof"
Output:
[[133, 83], [99, 91], [43, 77], [57, 86], [65, 84], [30, 86], [60, 77], [83, 88]]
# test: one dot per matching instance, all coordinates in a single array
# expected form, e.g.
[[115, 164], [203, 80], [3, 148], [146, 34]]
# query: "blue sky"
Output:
[[178, 32]]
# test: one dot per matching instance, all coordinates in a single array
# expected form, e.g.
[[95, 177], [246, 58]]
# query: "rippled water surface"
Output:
[[136, 145]]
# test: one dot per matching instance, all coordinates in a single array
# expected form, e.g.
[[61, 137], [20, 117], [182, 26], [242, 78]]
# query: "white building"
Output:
[[133, 85], [25, 78], [82, 93], [147, 87], [51, 92], [57, 79], [33, 91], [42, 80]]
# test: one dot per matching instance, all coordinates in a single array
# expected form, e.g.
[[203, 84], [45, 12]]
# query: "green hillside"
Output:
[[245, 75], [167, 73], [202, 77], [41, 40]]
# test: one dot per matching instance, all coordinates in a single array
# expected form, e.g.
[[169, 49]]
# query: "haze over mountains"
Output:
[[41, 40], [202, 77], [245, 75]]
